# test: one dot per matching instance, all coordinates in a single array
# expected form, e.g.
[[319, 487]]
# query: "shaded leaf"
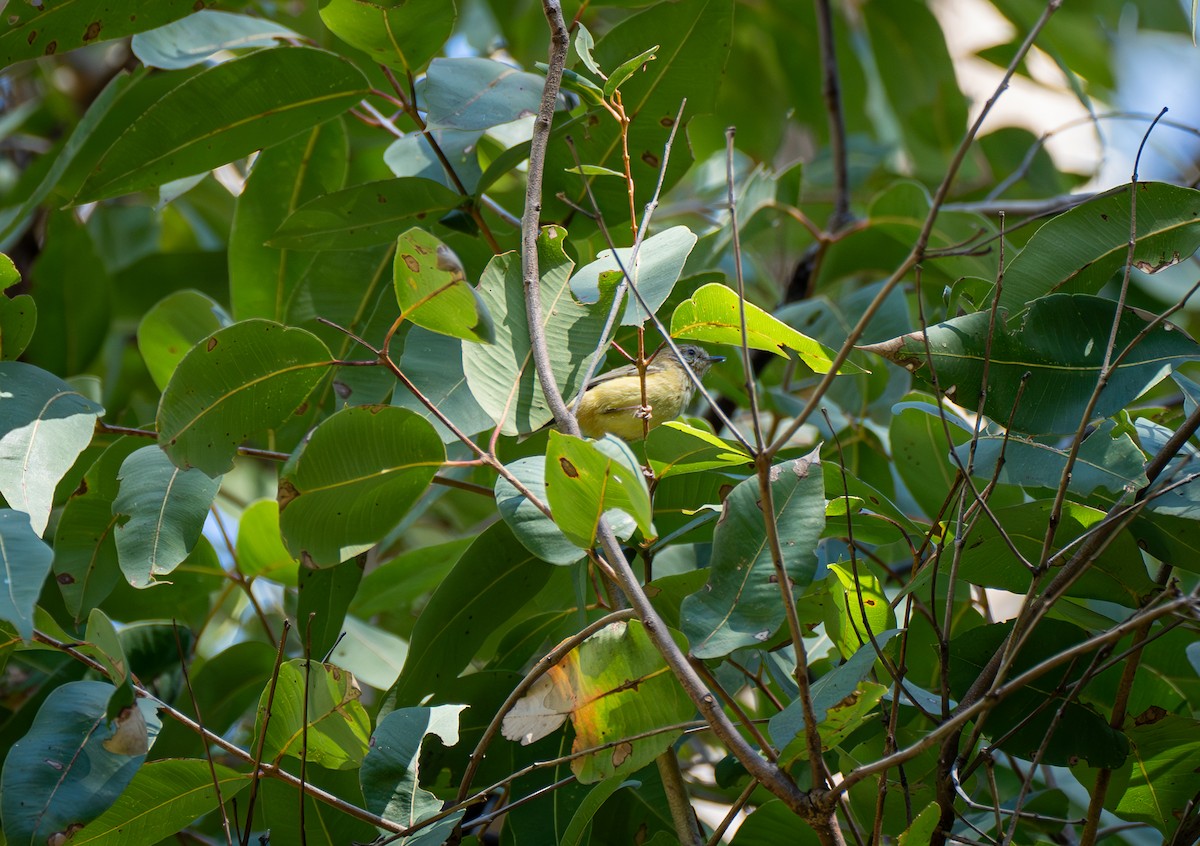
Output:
[[193, 41], [1060, 345], [476, 93], [25, 561], [434, 364], [335, 502], [537, 532], [363, 215], [173, 326], [224, 113], [741, 604]]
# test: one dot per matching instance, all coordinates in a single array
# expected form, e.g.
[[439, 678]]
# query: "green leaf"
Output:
[[73, 300], [772, 823], [1021, 721], [45, 29], [399, 584], [626, 69], [166, 508], [413, 155], [434, 364], [1060, 345], [362, 216], [86, 567], [676, 448], [585, 479], [404, 36], [226, 112], [25, 560], [44, 425], [839, 698], [337, 724], [713, 314], [583, 48], [694, 41], [660, 261], [18, 315], [260, 549], [741, 605], [920, 451], [578, 829], [336, 502], [325, 595], [477, 93], [163, 798], [923, 826], [595, 170], [858, 609], [69, 768], [391, 771], [489, 585], [263, 280], [537, 532], [1164, 779], [256, 373], [614, 685], [1080, 250], [1107, 460], [501, 375], [433, 291], [173, 326], [1118, 574], [193, 41]]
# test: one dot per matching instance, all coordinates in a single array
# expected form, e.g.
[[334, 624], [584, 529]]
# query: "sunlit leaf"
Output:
[[337, 724], [585, 479], [433, 291]]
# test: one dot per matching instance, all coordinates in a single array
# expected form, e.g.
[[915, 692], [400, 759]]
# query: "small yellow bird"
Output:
[[612, 401]]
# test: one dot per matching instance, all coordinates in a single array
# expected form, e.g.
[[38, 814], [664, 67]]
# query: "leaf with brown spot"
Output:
[[436, 294]]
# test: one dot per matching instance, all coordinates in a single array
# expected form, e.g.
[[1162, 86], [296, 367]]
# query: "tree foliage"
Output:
[[292, 293]]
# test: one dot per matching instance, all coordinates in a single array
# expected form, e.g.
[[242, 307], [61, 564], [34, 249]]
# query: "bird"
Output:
[[612, 401]]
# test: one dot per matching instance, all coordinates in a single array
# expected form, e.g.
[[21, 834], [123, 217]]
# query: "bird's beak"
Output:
[[716, 358]]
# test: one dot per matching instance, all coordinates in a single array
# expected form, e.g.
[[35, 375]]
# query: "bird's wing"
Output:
[[618, 373]]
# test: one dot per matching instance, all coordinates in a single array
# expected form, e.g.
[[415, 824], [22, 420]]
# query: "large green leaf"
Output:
[[501, 375], [585, 479], [336, 722], [488, 586], [1021, 721], [86, 567], [72, 764], [262, 279], [713, 314], [614, 685], [44, 425], [1107, 460], [537, 532], [391, 771], [660, 261], [160, 511], [56, 26], [1080, 250], [325, 594], [335, 502], [239, 381], [194, 40], [433, 291], [261, 552], [1051, 361], [742, 604], [476, 93], [858, 608], [172, 327], [403, 35], [362, 216], [73, 299], [920, 452], [25, 562], [693, 40], [1164, 779], [226, 112], [163, 798], [434, 364]]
